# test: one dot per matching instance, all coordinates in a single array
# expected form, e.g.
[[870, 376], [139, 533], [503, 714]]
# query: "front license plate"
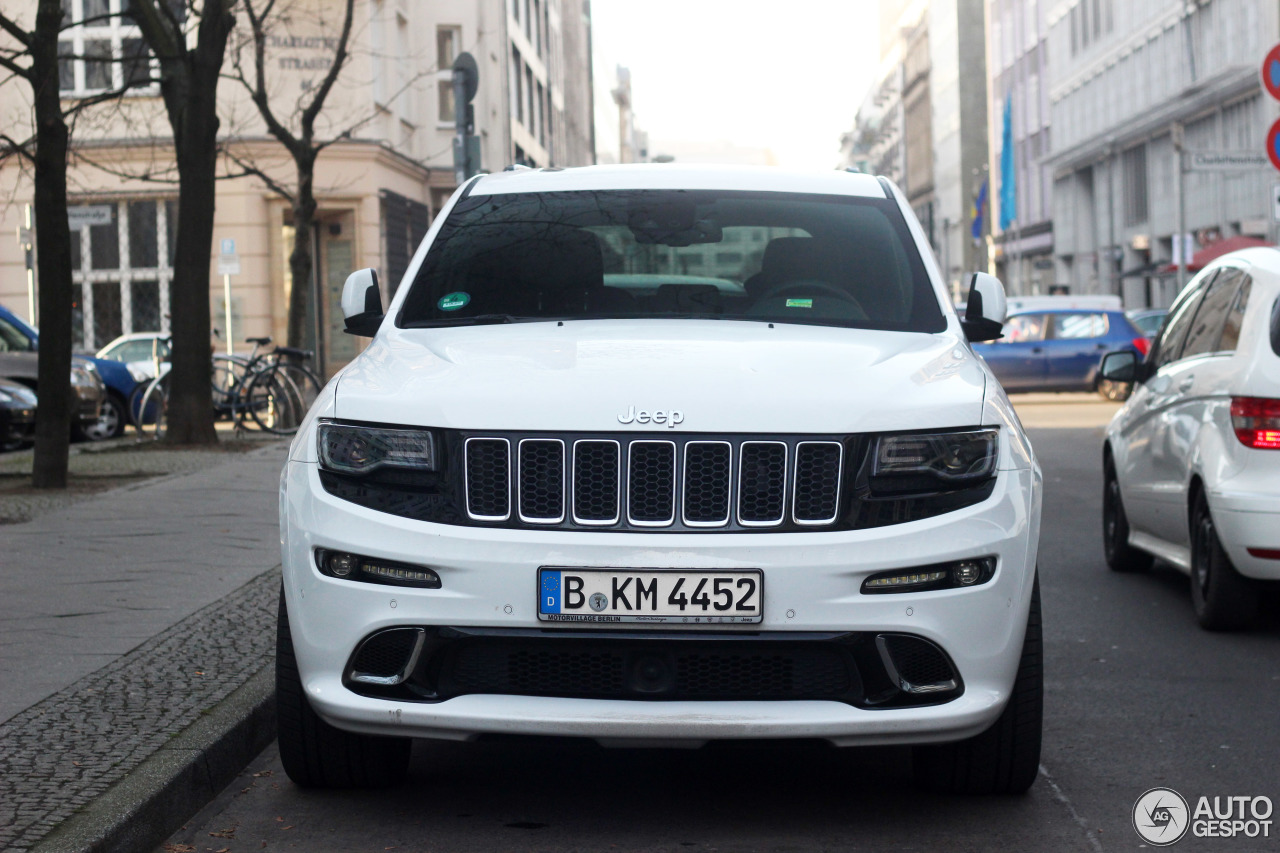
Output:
[[645, 595]]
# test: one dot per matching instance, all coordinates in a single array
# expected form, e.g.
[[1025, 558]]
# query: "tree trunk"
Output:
[[191, 102], [53, 247], [301, 263]]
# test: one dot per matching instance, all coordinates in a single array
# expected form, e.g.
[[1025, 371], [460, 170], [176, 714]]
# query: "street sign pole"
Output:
[[466, 146], [228, 265], [1179, 239]]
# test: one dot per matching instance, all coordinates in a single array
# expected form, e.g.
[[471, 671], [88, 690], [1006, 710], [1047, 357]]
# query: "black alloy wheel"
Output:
[[1121, 556], [1224, 600]]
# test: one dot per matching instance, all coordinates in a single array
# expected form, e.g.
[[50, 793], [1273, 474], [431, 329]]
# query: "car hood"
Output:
[[721, 376]]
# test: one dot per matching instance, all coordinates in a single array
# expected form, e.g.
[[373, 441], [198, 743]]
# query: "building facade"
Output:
[[1133, 84], [1017, 62], [924, 124], [378, 186]]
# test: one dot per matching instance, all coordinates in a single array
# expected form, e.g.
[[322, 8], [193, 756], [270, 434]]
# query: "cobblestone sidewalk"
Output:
[[69, 748]]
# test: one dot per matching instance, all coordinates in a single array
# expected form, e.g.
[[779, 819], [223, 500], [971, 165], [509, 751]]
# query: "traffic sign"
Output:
[[1275, 202], [1271, 72], [1273, 144], [81, 216]]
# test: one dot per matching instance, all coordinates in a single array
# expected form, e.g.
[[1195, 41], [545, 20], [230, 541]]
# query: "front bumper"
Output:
[[812, 583]]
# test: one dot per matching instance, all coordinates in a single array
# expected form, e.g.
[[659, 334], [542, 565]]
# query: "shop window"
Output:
[[121, 269]]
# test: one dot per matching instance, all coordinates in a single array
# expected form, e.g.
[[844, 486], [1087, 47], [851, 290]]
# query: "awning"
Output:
[[1213, 251]]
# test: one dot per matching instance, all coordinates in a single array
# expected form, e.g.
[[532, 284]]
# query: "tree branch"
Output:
[[249, 169], [9, 26], [339, 60]]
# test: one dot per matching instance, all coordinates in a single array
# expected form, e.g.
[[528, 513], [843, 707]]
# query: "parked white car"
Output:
[[546, 500], [1192, 462]]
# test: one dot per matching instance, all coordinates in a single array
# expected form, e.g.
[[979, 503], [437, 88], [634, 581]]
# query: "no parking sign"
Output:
[[1271, 82]]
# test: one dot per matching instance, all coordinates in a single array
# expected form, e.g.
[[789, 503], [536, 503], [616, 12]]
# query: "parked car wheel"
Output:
[[1006, 757], [316, 754], [111, 423], [1224, 599], [1121, 556]]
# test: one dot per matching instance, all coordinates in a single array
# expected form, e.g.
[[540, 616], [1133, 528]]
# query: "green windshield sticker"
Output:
[[454, 301], [799, 303]]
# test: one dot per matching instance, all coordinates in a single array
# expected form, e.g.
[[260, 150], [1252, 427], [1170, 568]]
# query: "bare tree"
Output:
[[189, 76], [34, 59], [302, 145]]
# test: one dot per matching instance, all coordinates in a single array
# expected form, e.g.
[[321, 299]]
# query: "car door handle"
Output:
[[1102, 346], [1185, 384], [1037, 350]]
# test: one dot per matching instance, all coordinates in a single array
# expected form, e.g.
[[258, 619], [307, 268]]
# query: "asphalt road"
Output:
[[1137, 696]]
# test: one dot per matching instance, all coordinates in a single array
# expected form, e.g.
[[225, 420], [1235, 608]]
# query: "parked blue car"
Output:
[[1060, 349], [114, 374]]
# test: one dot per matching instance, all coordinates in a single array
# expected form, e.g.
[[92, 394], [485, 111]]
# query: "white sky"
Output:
[[785, 76]]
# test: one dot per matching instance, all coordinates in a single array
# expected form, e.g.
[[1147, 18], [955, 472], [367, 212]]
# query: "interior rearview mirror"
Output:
[[1120, 366], [362, 303], [986, 309]]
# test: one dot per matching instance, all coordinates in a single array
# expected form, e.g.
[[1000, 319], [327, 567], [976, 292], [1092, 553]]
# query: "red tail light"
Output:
[[1142, 345], [1256, 421]]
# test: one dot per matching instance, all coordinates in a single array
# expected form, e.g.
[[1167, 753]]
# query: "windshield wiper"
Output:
[[476, 320]]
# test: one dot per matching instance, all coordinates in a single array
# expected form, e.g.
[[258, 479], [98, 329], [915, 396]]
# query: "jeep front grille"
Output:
[[651, 482]]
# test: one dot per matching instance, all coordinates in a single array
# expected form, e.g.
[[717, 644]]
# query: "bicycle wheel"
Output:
[[151, 409], [303, 386], [227, 378], [272, 404]]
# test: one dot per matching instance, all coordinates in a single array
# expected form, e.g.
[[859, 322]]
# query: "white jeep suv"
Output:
[[658, 455]]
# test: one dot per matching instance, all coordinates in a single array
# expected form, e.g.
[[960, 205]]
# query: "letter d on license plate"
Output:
[[669, 596]]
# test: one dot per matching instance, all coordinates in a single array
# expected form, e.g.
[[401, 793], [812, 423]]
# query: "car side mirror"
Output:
[[987, 307], [362, 303], [1119, 367]]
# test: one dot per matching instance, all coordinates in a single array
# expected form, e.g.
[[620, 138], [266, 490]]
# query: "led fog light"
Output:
[[964, 573], [339, 564]]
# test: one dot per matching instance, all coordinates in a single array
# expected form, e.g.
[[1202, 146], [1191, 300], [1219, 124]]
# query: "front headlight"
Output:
[[141, 371], [82, 377], [353, 449], [930, 462]]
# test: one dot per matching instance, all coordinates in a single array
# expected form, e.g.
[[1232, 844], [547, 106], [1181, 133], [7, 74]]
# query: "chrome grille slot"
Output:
[[816, 482], [488, 483], [708, 481], [651, 483], [541, 480], [762, 483], [597, 484]]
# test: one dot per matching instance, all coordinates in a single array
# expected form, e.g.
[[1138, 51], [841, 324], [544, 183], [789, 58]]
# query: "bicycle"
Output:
[[273, 393]]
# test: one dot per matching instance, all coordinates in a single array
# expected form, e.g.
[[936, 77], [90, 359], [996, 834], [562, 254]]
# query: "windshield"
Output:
[[769, 257]]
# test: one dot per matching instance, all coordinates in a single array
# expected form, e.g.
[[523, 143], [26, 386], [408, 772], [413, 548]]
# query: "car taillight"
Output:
[[1142, 345], [1256, 421]]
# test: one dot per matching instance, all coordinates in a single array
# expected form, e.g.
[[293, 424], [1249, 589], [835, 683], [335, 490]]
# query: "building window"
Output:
[[121, 269], [1134, 167], [448, 40], [517, 91], [103, 49], [445, 91]]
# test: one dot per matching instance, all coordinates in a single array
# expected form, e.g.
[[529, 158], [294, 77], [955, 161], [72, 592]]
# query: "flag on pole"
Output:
[[977, 213], [1008, 175]]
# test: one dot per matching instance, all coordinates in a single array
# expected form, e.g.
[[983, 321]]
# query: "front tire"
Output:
[[1224, 600], [110, 423], [316, 754], [1006, 757], [1121, 556]]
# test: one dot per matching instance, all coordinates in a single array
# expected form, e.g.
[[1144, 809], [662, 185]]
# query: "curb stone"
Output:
[[149, 804]]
